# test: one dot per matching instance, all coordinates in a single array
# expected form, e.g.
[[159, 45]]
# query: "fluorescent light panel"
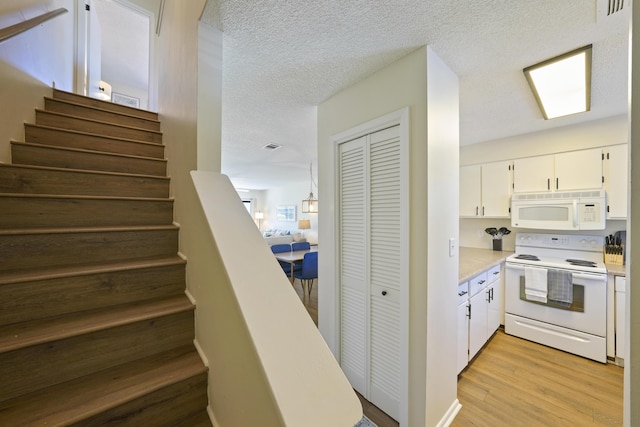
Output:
[[562, 85]]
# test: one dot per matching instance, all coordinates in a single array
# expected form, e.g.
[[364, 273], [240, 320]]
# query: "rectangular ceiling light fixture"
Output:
[[562, 85]]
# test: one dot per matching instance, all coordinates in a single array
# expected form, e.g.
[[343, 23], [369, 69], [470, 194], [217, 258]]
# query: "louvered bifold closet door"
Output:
[[353, 263], [384, 270]]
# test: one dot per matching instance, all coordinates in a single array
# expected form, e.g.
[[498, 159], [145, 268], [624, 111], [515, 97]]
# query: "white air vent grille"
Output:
[[271, 146], [608, 9], [614, 6]]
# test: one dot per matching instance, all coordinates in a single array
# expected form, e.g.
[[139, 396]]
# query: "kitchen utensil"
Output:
[[491, 231], [503, 231]]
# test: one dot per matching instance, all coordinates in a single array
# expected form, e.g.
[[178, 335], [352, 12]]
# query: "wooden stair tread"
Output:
[[25, 334], [75, 400], [80, 150], [108, 105], [79, 132], [83, 197], [77, 104], [116, 125], [70, 230], [83, 171], [79, 270]]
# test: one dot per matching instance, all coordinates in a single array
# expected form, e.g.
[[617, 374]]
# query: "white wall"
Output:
[[31, 62], [597, 133], [402, 84], [632, 358]]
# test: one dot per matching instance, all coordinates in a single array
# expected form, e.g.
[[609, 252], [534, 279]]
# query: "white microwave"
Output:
[[565, 210]]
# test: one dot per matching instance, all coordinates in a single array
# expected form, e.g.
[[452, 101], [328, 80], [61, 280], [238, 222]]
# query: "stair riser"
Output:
[[87, 112], [49, 250], [36, 181], [162, 408], [30, 369], [110, 106], [62, 138], [46, 118], [38, 212], [32, 300], [23, 154]]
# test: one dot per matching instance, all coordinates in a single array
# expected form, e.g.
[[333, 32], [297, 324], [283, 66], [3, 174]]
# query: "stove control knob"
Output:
[[583, 242], [593, 243]]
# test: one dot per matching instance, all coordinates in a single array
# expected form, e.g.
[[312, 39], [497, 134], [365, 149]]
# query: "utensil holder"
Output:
[[497, 244]]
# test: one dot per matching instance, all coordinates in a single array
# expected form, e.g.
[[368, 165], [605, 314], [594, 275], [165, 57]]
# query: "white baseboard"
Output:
[[212, 417], [450, 415]]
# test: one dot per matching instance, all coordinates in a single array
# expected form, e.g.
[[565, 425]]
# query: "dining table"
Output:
[[293, 257]]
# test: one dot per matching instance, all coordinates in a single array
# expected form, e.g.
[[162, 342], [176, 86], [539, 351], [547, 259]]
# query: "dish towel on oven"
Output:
[[535, 284], [560, 286]]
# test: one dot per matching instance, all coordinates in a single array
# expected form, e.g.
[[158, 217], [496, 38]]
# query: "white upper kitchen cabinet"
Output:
[[533, 174], [496, 189], [615, 183], [573, 170], [485, 190], [579, 170], [470, 191]]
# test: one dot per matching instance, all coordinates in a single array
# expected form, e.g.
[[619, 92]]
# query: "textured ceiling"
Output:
[[283, 58]]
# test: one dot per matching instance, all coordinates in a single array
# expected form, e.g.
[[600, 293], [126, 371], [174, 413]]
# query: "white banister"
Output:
[[21, 27], [267, 357]]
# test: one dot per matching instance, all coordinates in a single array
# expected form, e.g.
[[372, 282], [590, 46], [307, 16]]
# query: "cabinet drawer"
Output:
[[463, 292], [477, 283], [493, 274]]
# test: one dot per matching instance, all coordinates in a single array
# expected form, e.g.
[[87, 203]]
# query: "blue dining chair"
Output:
[[300, 246], [309, 271], [284, 247]]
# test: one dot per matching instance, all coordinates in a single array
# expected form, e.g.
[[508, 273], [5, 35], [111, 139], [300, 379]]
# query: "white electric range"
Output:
[[555, 292]]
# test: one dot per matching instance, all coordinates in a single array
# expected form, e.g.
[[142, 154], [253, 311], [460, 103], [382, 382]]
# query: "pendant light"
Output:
[[310, 204]]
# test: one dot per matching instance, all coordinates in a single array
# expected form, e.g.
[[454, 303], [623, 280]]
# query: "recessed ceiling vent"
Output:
[[608, 8], [614, 6], [271, 146]]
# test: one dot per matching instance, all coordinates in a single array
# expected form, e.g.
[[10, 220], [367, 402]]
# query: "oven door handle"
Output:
[[589, 277], [575, 214]]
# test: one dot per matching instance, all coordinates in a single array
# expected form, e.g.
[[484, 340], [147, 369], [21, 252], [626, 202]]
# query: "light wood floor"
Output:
[[514, 382]]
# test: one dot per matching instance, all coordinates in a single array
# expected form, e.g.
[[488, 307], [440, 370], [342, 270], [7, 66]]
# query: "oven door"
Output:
[[586, 313]]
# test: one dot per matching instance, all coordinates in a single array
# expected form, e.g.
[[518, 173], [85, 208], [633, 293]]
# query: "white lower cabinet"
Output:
[[477, 322], [462, 354], [479, 316], [620, 287]]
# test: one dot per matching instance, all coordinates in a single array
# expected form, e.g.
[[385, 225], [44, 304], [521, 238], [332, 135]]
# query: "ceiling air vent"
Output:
[[608, 8], [271, 146], [614, 6]]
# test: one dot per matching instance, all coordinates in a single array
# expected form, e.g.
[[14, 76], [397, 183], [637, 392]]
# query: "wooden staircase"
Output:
[[95, 327]]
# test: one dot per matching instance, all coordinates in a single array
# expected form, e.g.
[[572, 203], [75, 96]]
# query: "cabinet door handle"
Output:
[[557, 183], [480, 282], [548, 183], [469, 311], [488, 295], [476, 211], [492, 294], [384, 293], [483, 211]]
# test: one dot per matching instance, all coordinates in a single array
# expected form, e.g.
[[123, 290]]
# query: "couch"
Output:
[[276, 237]]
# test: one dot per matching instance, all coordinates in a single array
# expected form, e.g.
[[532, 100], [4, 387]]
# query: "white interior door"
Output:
[[385, 268], [353, 264]]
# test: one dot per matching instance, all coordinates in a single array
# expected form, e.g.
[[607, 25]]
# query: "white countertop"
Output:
[[474, 261], [616, 270]]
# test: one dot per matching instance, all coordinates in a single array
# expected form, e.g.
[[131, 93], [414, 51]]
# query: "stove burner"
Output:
[[581, 262], [527, 257]]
